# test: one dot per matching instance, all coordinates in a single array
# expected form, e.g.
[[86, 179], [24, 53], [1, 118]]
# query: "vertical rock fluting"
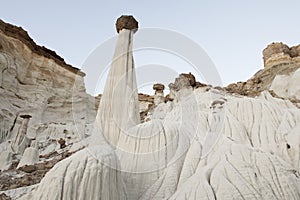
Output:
[[119, 107], [93, 173], [20, 141]]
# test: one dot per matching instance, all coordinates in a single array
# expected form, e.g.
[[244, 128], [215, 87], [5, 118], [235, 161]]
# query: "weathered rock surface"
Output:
[[42, 99], [279, 60], [41, 96], [201, 142], [287, 86], [280, 54], [20, 34], [119, 107], [89, 174]]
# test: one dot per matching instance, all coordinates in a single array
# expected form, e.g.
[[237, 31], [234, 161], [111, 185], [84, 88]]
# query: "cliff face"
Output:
[[44, 108], [37, 83], [21, 35]]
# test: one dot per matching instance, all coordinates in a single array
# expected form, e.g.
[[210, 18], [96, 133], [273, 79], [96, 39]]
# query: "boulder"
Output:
[[127, 22]]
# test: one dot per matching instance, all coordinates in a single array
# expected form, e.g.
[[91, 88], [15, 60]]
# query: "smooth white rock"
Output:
[[5, 160], [30, 157]]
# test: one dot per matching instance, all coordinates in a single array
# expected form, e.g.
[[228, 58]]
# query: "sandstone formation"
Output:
[[200, 142], [119, 107], [95, 171], [146, 103], [280, 54], [19, 34], [159, 93], [42, 99], [287, 86], [30, 157], [279, 59]]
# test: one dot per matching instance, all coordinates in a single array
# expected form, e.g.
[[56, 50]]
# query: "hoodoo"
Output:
[[119, 106], [202, 142]]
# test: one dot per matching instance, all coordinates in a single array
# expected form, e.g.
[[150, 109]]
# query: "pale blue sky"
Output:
[[233, 33]]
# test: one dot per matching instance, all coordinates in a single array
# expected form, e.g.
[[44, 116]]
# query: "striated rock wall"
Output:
[[201, 142], [37, 82], [21, 35], [280, 54]]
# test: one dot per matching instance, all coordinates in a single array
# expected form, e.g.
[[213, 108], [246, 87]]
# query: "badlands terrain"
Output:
[[199, 141]]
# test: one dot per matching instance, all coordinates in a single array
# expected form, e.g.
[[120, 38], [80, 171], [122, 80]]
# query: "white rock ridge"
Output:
[[287, 85]]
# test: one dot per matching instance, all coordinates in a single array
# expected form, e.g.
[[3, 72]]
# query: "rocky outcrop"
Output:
[[279, 60], [146, 104], [159, 93], [200, 142], [280, 54], [36, 82], [287, 86], [20, 34], [183, 84], [42, 100]]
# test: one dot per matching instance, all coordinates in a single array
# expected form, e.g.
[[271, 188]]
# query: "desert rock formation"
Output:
[[197, 142]]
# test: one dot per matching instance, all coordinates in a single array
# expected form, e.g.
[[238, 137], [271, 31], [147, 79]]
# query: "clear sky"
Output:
[[232, 32]]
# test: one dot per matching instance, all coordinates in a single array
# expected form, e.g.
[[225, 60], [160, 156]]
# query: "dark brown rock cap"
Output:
[[275, 48], [190, 77], [127, 22], [158, 87], [279, 47], [20, 34]]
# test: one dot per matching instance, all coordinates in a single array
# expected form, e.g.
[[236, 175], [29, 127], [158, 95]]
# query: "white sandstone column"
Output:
[[119, 108]]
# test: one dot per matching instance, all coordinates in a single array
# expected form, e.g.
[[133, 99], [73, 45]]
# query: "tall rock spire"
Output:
[[119, 108]]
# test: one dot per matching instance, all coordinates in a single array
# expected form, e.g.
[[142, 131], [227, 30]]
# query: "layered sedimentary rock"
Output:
[[42, 99], [280, 54], [41, 96], [201, 142], [279, 59], [94, 173]]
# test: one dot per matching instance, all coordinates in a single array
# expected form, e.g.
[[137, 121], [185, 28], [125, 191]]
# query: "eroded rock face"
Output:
[[275, 48], [89, 174], [35, 82], [20, 34], [280, 54], [180, 83], [206, 144], [295, 51], [279, 60], [183, 81], [183, 86], [42, 98]]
